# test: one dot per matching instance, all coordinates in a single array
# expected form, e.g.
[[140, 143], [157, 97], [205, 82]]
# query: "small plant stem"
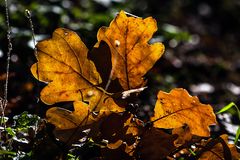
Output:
[[4, 101], [29, 17]]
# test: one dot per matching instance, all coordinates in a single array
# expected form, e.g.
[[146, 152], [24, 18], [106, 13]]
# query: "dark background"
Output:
[[202, 41]]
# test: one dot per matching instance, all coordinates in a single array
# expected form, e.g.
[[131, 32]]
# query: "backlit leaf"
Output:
[[121, 56], [178, 108], [132, 56], [81, 116], [63, 64], [70, 76]]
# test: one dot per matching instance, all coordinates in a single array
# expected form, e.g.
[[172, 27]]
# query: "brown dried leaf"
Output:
[[120, 130], [184, 135], [156, 144], [219, 150], [178, 108]]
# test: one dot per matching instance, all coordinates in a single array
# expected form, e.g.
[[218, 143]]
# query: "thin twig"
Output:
[[9, 50], [29, 17], [4, 101]]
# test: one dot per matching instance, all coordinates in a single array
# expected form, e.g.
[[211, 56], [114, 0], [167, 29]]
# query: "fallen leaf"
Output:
[[218, 151], [71, 125], [120, 130], [69, 74], [177, 108], [81, 116], [155, 144], [132, 56], [184, 135]]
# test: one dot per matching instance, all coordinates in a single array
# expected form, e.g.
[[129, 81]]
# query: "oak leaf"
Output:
[[132, 56], [178, 108], [81, 116], [69, 74]]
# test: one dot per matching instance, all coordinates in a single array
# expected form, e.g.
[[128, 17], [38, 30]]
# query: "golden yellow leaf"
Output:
[[132, 56], [178, 108], [218, 151], [81, 116], [70, 76], [63, 64]]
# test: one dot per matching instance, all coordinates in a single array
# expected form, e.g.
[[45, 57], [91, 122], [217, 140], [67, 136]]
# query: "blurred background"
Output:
[[202, 41]]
